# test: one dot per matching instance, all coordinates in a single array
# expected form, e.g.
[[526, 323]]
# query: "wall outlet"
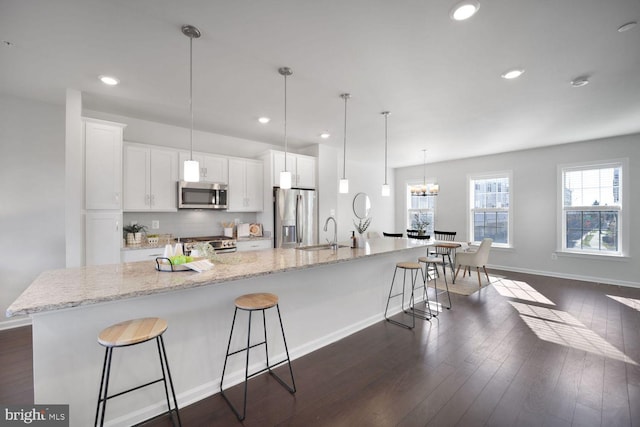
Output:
[[554, 256], [332, 212], [155, 224]]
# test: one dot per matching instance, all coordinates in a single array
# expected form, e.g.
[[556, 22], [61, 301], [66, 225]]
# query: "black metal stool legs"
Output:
[[291, 388], [411, 309], [103, 394]]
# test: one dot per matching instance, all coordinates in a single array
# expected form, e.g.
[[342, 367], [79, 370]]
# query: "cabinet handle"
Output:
[[147, 200], [117, 225], [153, 200], [117, 196]]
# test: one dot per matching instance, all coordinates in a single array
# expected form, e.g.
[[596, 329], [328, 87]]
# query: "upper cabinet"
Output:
[[302, 168], [212, 168], [103, 164], [245, 185], [150, 178]]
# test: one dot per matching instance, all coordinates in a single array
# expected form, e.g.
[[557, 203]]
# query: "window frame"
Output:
[[623, 208], [407, 221], [471, 178]]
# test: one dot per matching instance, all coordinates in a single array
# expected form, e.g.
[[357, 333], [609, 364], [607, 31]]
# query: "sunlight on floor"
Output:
[[630, 302], [520, 290], [562, 328]]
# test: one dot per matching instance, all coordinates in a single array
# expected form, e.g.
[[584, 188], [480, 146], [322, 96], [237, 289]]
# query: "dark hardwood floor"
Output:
[[528, 351]]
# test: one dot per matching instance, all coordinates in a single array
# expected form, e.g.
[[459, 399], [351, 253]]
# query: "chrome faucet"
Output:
[[334, 243]]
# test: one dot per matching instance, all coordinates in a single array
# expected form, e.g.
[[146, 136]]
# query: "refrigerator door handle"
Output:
[[299, 230]]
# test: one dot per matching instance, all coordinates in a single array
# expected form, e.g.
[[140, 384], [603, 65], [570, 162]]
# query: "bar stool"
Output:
[[128, 333], [251, 303], [432, 260], [412, 268]]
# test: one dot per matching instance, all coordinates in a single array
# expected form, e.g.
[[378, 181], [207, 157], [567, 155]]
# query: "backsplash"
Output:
[[188, 223]]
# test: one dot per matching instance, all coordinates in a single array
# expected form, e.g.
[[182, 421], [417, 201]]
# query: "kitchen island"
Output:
[[325, 295]]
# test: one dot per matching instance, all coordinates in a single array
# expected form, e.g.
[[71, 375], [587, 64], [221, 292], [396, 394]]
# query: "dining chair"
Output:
[[396, 235], [445, 236], [475, 259]]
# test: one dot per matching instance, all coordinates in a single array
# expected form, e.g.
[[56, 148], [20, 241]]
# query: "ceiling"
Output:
[[439, 78]]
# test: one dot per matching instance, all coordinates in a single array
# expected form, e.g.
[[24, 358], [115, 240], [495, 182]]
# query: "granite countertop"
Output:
[[72, 287]]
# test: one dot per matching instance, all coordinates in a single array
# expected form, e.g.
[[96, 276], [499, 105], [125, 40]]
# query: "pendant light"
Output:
[[386, 190], [191, 167], [285, 175], [344, 182], [423, 190]]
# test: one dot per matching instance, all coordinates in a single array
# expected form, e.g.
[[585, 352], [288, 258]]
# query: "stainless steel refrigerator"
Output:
[[295, 218]]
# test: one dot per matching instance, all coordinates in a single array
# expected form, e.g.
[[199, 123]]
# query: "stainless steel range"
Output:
[[221, 244]]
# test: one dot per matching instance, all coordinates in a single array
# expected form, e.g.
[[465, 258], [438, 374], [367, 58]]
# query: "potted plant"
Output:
[[420, 224], [134, 234]]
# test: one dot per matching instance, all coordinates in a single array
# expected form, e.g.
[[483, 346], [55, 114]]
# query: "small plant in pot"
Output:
[[134, 234]]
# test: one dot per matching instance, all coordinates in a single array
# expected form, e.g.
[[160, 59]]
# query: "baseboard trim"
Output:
[[15, 323], [599, 280]]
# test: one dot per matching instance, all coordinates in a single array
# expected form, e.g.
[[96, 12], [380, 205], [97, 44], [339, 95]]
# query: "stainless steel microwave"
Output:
[[202, 195]]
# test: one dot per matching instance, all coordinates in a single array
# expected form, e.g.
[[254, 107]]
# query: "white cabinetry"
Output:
[[254, 245], [150, 178], [212, 168], [245, 185], [103, 238], [103, 164], [302, 168], [135, 255]]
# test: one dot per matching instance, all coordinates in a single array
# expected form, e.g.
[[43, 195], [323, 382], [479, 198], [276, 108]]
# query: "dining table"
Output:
[[447, 247]]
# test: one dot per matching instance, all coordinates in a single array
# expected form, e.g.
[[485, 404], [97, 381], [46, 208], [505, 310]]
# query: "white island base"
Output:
[[319, 305]]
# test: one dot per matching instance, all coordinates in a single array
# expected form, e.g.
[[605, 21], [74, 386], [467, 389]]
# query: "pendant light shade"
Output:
[[343, 187], [285, 175], [191, 168], [386, 190]]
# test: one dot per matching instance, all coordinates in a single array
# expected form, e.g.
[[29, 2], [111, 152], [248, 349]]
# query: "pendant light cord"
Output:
[[191, 94], [386, 115], [345, 96], [424, 168], [285, 122]]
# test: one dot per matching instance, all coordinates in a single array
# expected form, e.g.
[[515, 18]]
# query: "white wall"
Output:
[[32, 207], [534, 203]]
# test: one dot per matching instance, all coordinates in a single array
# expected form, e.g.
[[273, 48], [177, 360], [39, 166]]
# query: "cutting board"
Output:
[[243, 230]]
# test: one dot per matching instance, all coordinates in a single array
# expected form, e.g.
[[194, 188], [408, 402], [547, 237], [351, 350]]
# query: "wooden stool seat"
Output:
[[132, 332], [259, 301], [409, 265]]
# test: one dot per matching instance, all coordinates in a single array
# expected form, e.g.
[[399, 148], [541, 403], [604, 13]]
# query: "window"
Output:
[[490, 208], [591, 214], [420, 209]]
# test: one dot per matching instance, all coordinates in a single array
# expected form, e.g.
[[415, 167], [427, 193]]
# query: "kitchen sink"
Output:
[[319, 247]]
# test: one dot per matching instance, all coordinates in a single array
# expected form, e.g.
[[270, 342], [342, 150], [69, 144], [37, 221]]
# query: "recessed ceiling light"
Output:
[[325, 135], [627, 26], [513, 74], [7, 43], [264, 120], [109, 80], [464, 10], [580, 81]]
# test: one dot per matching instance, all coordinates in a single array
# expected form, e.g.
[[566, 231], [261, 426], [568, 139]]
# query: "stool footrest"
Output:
[[132, 389], [245, 349]]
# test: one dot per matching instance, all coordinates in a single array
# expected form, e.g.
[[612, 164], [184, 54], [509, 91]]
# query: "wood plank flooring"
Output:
[[528, 351]]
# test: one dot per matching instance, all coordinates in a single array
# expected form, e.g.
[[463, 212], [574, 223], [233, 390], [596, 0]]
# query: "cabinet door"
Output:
[[163, 177], [137, 187], [103, 165], [278, 166], [237, 186], [306, 172], [254, 189], [103, 238], [214, 169]]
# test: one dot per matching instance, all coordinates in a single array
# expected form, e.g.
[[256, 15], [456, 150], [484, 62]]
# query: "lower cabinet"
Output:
[[254, 245], [135, 255], [103, 238]]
